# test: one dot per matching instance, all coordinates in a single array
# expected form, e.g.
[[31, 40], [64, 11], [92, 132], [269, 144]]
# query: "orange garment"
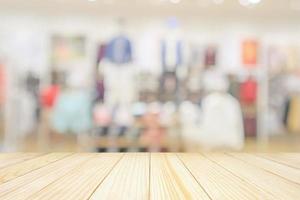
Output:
[[249, 49]]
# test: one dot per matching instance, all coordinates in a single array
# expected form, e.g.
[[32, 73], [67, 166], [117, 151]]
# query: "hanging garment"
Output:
[[72, 112], [248, 91], [119, 50], [49, 96], [210, 56], [169, 87], [100, 53], [222, 123], [100, 91], [250, 126], [32, 84], [286, 112], [25, 113], [194, 56], [249, 52], [171, 53], [276, 60], [278, 101], [147, 54], [234, 88]]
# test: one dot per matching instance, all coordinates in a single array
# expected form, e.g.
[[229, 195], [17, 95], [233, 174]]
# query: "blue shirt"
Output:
[[119, 50]]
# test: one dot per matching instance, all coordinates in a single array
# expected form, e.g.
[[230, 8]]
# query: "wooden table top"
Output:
[[149, 176]]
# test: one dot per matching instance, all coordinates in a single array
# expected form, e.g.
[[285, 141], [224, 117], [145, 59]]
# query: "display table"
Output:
[[149, 176]]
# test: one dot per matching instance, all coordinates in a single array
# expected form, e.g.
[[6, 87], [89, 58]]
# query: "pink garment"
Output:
[[248, 91]]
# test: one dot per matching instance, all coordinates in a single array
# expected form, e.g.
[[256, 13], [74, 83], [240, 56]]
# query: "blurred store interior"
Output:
[[149, 75]]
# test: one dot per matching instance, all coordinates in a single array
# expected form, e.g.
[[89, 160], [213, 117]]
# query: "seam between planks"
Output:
[[57, 179], [67, 155], [28, 159], [149, 174], [277, 161], [113, 167], [268, 171], [22, 185], [242, 179], [193, 176]]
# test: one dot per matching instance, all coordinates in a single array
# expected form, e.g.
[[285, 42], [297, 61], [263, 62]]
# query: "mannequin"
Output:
[[117, 69], [222, 125], [119, 48], [172, 47]]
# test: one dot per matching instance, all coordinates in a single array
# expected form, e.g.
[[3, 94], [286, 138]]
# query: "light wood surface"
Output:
[[149, 176]]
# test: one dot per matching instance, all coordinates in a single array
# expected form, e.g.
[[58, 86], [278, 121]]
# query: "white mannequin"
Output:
[[222, 125]]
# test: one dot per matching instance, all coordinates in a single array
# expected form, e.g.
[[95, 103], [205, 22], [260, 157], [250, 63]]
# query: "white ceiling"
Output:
[[273, 9]]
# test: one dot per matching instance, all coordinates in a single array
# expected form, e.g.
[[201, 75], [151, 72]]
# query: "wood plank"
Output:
[[128, 180], [81, 182], [171, 180], [292, 160], [220, 183], [4, 156], [284, 171], [13, 158], [22, 168], [150, 176], [25, 186], [277, 186]]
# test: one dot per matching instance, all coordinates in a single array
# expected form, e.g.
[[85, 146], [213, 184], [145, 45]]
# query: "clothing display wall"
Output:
[[128, 77]]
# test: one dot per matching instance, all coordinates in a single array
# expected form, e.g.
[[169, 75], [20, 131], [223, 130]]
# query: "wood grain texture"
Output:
[[284, 171], [22, 168], [80, 182], [171, 180], [149, 176], [130, 178], [273, 184], [13, 158], [289, 159], [220, 183], [27, 185]]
